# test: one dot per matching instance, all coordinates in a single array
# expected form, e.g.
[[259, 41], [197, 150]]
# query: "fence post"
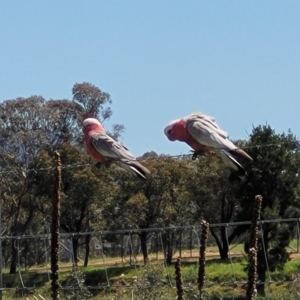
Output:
[[180, 240], [178, 279], [252, 255], [156, 245], [55, 227], [131, 248], [1, 264], [191, 243], [298, 236], [202, 252], [122, 247]]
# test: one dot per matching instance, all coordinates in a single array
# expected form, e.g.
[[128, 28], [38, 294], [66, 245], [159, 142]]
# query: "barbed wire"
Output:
[[140, 159]]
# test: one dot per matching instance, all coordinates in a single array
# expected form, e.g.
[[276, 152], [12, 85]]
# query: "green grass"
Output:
[[294, 244], [219, 280], [220, 277]]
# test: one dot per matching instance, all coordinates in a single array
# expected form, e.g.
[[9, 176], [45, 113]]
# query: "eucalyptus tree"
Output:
[[274, 174], [31, 125], [144, 205]]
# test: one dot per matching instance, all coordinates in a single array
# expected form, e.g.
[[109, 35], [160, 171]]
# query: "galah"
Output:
[[202, 133], [106, 150]]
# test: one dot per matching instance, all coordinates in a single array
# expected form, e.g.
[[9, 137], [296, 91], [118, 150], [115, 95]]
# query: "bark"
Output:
[[262, 264], [143, 237], [87, 249], [261, 272], [221, 243], [75, 245], [169, 247], [14, 255], [226, 214]]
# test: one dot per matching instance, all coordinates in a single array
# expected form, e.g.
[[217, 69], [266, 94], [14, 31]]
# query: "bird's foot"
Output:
[[199, 152], [235, 176], [98, 165], [107, 164]]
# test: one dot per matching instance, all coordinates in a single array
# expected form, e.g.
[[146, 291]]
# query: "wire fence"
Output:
[[116, 267]]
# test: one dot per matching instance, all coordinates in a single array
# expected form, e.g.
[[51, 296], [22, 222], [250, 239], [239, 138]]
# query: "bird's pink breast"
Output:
[[194, 144], [181, 134], [92, 151]]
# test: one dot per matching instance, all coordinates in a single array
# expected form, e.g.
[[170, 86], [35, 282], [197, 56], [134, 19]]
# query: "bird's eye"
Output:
[[169, 131]]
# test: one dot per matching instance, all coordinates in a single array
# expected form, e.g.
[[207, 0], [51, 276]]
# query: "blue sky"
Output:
[[238, 61]]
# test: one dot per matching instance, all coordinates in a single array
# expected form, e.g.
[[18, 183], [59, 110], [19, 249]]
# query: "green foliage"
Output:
[[152, 280], [84, 190], [143, 205], [30, 130], [77, 289], [179, 191], [148, 283], [153, 203], [209, 190], [274, 175], [92, 100]]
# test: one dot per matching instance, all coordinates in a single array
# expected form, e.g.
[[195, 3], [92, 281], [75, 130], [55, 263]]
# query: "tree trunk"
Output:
[[222, 244], [87, 249], [143, 237], [169, 247], [14, 255], [180, 243], [227, 208], [25, 254], [261, 262], [224, 253], [261, 272], [75, 249], [225, 249]]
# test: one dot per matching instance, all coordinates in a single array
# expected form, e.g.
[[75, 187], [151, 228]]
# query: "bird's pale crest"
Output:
[[91, 121], [170, 126]]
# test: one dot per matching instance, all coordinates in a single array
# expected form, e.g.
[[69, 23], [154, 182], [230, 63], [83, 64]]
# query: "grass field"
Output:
[[226, 279]]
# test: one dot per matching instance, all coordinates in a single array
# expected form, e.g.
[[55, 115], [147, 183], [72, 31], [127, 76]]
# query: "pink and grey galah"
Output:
[[202, 133], [106, 150]]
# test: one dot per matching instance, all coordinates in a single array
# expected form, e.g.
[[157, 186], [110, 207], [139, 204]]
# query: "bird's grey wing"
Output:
[[207, 120], [206, 132], [108, 147]]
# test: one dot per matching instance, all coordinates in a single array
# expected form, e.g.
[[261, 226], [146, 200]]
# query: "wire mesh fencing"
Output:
[[115, 264]]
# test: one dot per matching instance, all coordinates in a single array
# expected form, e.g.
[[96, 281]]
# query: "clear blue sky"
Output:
[[238, 61]]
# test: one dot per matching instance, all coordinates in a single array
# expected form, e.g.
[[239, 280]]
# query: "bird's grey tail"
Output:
[[230, 161], [136, 168], [241, 153]]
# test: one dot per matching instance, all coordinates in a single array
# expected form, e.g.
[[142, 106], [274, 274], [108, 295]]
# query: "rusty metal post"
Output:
[[298, 236], [1, 263], [201, 270], [180, 242], [178, 279], [252, 254], [191, 243], [55, 227]]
